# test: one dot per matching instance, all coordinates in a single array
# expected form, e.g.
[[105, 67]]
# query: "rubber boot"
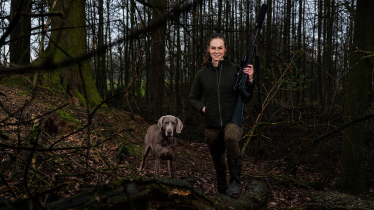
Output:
[[235, 169]]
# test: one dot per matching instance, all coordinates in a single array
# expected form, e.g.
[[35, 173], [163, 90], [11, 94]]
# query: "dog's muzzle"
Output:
[[169, 133]]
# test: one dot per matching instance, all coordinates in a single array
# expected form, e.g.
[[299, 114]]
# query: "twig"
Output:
[[7, 185], [38, 117], [53, 188], [43, 14], [97, 171]]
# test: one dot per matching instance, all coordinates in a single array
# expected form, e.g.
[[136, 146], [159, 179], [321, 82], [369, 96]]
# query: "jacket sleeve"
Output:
[[196, 93], [250, 90], [251, 86]]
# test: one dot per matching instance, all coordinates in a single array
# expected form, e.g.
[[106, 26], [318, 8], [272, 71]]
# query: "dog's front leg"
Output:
[[157, 168], [171, 166], [144, 154]]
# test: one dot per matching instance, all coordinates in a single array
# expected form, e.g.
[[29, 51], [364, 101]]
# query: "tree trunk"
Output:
[[110, 64], [157, 74], [66, 44], [319, 71], [267, 47], [313, 79], [127, 52], [299, 89], [148, 59], [286, 46], [177, 70], [219, 16], [132, 48], [19, 49], [328, 54], [101, 67], [357, 101]]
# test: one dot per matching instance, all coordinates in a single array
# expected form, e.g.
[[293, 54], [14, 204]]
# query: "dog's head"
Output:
[[169, 124]]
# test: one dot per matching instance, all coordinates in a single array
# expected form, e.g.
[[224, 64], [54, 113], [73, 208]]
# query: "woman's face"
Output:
[[217, 50]]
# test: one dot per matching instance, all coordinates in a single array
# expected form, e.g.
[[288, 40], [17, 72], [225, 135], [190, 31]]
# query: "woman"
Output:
[[216, 82]]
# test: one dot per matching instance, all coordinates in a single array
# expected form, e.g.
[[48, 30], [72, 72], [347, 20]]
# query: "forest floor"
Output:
[[111, 128]]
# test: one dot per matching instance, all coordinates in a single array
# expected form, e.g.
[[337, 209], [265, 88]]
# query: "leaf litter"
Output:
[[111, 128]]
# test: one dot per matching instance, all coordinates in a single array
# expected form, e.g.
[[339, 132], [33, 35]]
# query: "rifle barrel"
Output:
[[241, 84]]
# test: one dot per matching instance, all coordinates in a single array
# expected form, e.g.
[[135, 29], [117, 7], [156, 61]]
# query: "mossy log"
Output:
[[256, 196], [139, 194], [166, 193]]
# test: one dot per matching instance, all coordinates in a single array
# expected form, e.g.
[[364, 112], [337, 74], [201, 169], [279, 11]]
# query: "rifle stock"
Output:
[[242, 83]]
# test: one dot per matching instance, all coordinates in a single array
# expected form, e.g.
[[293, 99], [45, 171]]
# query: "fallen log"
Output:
[[152, 194]]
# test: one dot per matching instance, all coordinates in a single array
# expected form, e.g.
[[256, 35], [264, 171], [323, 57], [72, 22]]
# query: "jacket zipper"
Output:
[[218, 84]]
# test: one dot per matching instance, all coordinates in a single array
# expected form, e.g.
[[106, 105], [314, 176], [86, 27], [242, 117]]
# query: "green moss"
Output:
[[279, 180], [52, 79], [15, 81], [23, 93], [257, 198], [130, 149], [67, 117], [80, 97], [158, 186]]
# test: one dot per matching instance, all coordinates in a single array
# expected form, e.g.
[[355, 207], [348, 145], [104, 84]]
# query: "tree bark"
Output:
[[177, 71], [19, 49], [319, 70], [157, 74], [110, 55], [299, 61], [219, 16], [357, 101], [268, 44], [66, 44], [329, 5], [286, 46], [101, 67]]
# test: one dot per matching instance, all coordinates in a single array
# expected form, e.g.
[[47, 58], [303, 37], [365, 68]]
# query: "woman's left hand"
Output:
[[249, 70]]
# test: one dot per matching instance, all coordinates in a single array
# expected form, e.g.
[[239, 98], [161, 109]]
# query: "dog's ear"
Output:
[[160, 122], [179, 125]]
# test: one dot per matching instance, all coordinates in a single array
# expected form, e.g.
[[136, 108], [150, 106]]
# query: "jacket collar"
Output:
[[226, 61]]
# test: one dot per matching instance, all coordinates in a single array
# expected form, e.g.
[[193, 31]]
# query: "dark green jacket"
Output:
[[217, 86]]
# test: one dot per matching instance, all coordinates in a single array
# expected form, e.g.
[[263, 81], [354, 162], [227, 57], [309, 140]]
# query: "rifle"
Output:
[[242, 84]]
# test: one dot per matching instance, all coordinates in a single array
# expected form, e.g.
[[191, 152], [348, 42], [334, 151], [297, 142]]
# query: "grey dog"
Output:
[[161, 139]]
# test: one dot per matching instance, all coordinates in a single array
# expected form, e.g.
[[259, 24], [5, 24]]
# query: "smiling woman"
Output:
[[216, 81]]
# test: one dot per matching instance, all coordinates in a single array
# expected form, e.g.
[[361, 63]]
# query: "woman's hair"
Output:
[[213, 36]]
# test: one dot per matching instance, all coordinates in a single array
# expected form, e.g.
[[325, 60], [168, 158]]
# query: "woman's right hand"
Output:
[[203, 109]]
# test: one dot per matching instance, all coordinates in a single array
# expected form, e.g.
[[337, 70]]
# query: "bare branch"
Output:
[[49, 65], [43, 14]]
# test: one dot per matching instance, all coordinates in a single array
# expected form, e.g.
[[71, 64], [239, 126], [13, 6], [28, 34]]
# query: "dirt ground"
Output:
[[109, 129]]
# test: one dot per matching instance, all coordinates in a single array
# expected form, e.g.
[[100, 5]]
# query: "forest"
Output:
[[82, 80]]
